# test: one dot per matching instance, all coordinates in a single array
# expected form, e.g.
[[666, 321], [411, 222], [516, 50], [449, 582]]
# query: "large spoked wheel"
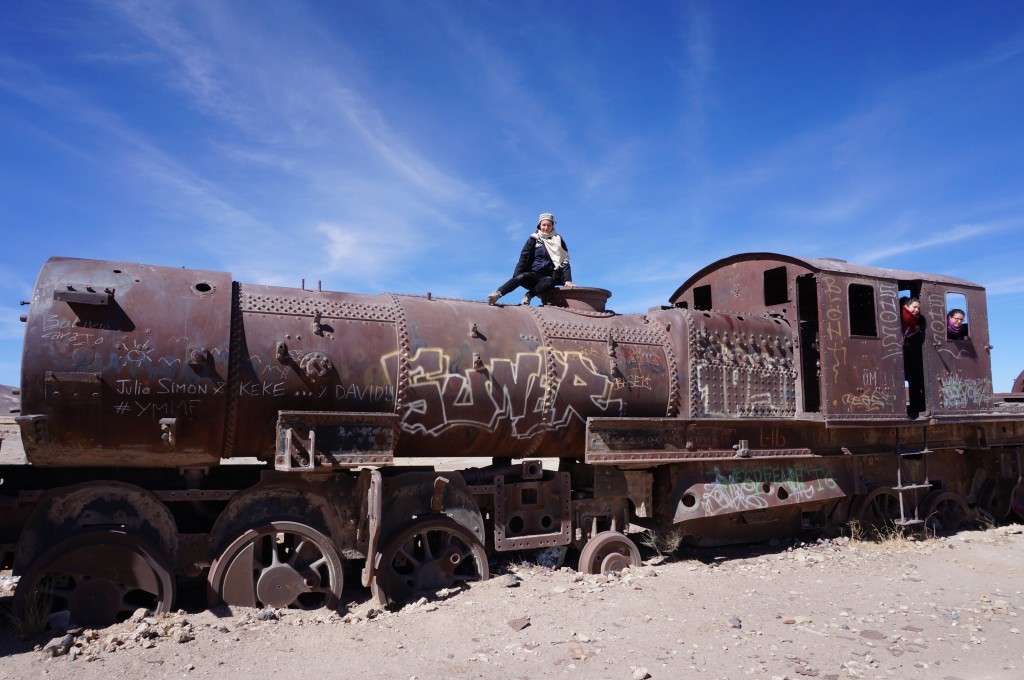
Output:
[[95, 578], [426, 556], [608, 551], [945, 512], [878, 509], [278, 564]]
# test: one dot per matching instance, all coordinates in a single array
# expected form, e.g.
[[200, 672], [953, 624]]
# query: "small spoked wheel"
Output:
[[426, 556], [878, 509], [945, 512]]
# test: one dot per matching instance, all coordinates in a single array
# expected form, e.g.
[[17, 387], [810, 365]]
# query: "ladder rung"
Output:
[[911, 487], [922, 452], [908, 522]]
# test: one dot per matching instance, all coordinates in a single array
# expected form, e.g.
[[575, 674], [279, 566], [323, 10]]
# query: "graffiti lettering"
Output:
[[437, 400], [158, 410], [743, 489], [960, 392], [261, 389], [370, 393], [889, 319], [870, 401], [834, 326]]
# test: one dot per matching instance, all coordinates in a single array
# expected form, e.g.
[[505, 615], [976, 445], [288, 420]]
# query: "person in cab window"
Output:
[[913, 359], [956, 329], [543, 263]]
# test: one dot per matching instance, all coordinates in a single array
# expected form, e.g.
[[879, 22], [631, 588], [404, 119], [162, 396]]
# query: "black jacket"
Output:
[[526, 259]]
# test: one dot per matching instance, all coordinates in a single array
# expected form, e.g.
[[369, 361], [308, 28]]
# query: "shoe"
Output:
[[526, 299], [492, 299]]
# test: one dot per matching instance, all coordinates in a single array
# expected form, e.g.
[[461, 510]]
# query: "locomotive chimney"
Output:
[[577, 297]]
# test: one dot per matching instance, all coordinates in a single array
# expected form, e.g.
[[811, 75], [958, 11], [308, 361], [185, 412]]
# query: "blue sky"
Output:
[[409, 146]]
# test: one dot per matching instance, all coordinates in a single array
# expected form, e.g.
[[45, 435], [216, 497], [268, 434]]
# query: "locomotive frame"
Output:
[[180, 424]]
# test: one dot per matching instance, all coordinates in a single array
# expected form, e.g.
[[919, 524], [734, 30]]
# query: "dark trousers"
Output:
[[534, 283]]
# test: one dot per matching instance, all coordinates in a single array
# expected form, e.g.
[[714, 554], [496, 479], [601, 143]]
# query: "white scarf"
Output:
[[556, 251]]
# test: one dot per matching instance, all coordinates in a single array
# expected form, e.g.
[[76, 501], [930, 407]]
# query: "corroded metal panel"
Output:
[[512, 381], [961, 369], [741, 366], [618, 441], [708, 490], [120, 355], [305, 350], [308, 440], [532, 513], [862, 373]]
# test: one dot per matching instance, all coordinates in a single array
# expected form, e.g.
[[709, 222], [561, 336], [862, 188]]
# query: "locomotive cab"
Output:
[[848, 333]]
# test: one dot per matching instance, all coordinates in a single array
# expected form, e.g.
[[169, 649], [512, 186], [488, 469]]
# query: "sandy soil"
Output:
[[943, 608]]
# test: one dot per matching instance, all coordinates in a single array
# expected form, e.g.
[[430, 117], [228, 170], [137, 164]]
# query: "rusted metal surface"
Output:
[[578, 298], [116, 383], [128, 382], [113, 348], [306, 440], [532, 513], [848, 331]]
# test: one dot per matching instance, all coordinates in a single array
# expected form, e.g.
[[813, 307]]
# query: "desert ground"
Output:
[[829, 608]]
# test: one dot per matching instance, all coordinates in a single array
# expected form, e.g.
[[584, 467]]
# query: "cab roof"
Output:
[[825, 265]]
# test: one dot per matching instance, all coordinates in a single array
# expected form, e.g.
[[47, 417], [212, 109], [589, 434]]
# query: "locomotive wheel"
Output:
[[993, 504], [427, 555], [95, 578], [608, 551], [878, 509], [278, 564], [945, 512]]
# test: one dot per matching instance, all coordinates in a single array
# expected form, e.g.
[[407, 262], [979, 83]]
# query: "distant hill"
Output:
[[8, 400]]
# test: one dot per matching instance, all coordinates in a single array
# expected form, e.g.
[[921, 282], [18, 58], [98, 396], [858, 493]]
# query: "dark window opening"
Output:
[[862, 310], [702, 297], [810, 356], [776, 289]]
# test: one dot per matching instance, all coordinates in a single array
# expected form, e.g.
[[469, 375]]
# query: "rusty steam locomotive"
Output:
[[179, 424]]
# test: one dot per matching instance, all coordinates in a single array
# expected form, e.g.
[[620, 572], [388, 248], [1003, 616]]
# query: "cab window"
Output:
[[957, 323], [862, 310]]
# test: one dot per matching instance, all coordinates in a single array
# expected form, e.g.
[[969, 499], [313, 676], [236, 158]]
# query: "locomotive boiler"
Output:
[[180, 424]]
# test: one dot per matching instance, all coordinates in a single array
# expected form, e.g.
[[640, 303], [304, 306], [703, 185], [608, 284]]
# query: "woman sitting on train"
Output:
[[913, 359], [956, 329], [543, 263]]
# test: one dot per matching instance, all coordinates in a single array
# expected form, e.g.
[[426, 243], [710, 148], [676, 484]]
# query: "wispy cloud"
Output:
[[1009, 286], [952, 235]]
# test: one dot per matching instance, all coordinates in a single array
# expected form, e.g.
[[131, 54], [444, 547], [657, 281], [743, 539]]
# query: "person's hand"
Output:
[[570, 284]]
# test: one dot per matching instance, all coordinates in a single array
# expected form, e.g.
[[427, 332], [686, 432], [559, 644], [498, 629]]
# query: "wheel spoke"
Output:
[[409, 556], [428, 553]]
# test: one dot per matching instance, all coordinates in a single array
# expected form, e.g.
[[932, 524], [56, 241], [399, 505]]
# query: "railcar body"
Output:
[[177, 422]]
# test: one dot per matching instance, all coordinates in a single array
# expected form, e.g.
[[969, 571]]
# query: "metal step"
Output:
[[922, 452], [911, 487], [908, 522]]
